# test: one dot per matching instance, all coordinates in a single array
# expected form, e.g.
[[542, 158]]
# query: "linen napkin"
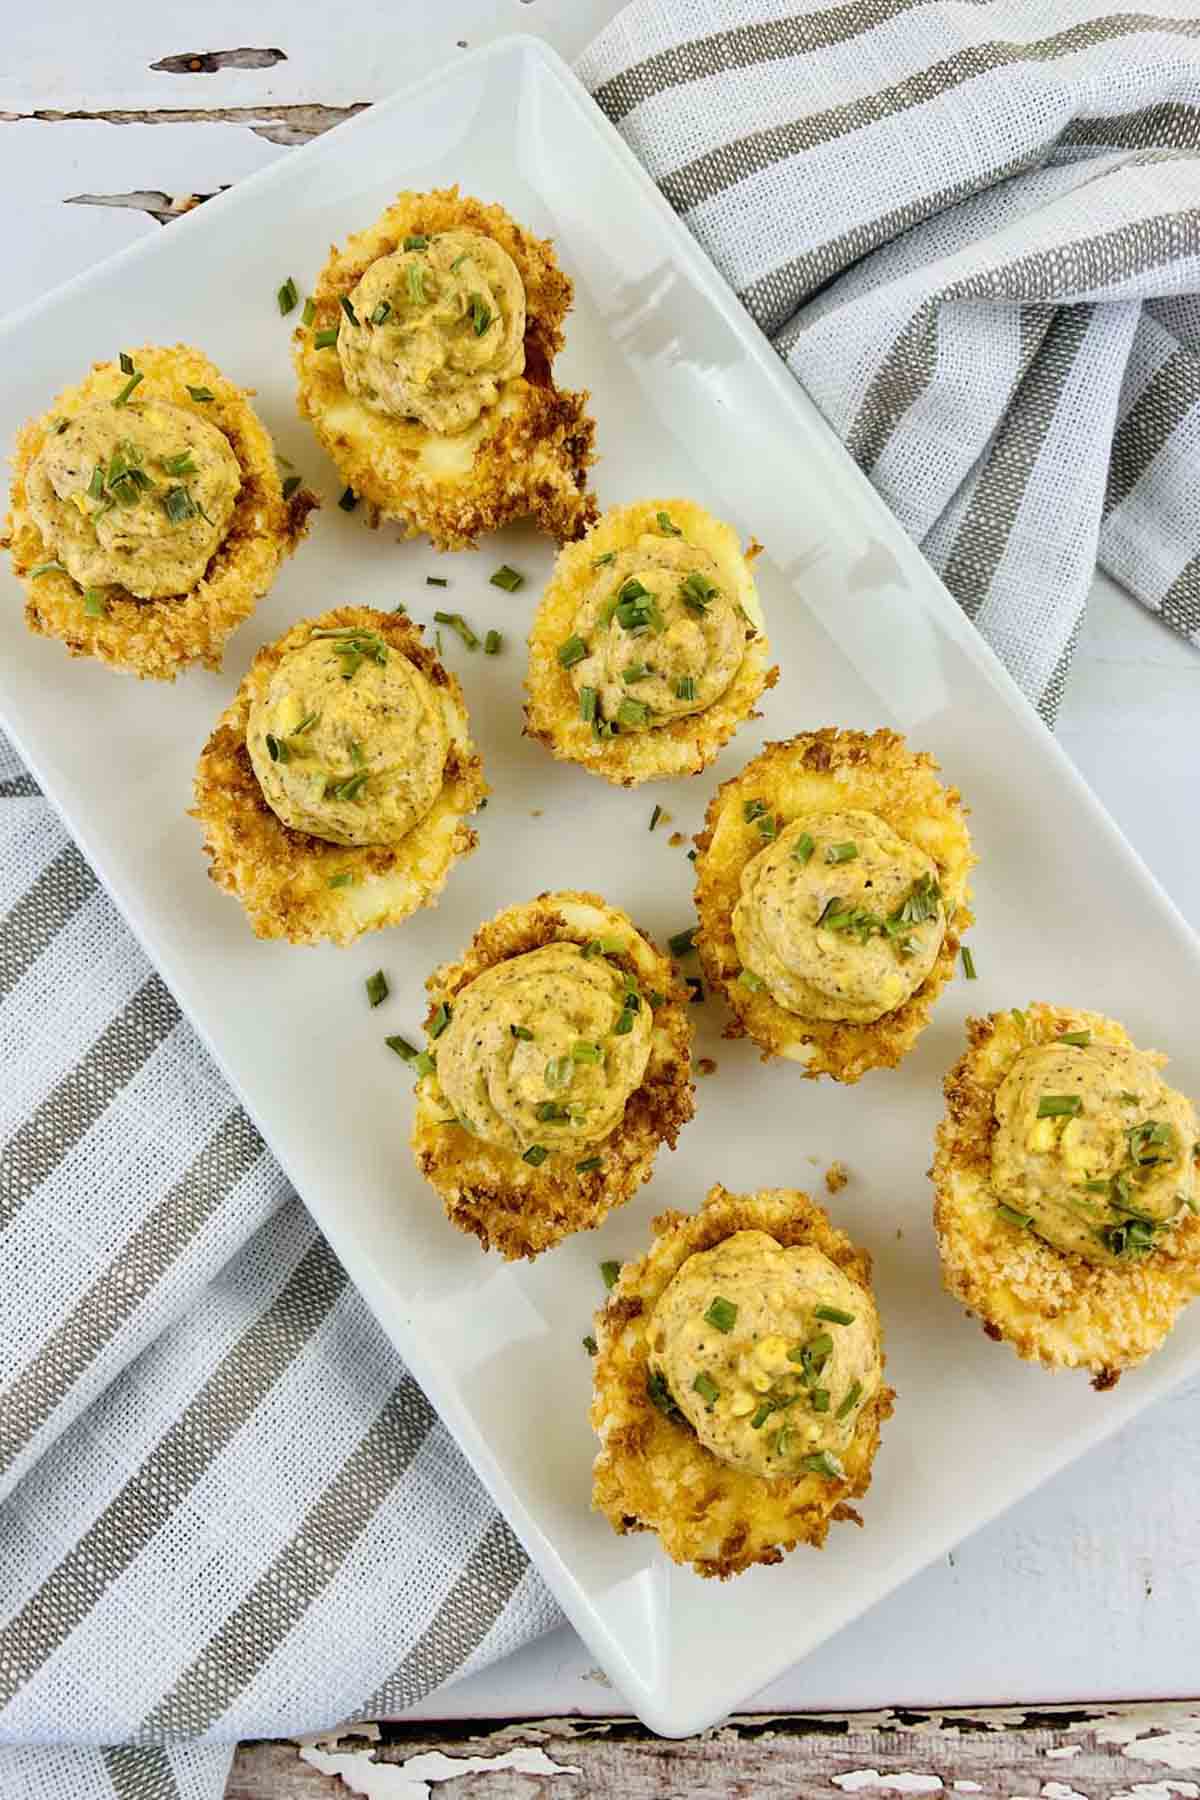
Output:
[[973, 230]]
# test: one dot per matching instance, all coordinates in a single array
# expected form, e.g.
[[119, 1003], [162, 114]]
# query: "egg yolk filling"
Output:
[[1092, 1150], [541, 1052], [135, 495], [348, 740], [433, 330], [769, 1354], [838, 916]]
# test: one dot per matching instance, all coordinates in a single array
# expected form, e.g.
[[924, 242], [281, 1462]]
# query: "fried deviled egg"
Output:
[[1066, 1190], [147, 516], [335, 790], [739, 1386], [831, 884], [558, 1064], [425, 370], [648, 649]]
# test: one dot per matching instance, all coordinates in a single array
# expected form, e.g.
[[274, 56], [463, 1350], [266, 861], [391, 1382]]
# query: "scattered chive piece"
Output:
[[126, 362], [1096, 1187], [414, 277], [968, 963], [459, 626], [655, 998], [683, 941], [633, 712], [1018, 1018], [347, 306], [458, 262], [762, 1413], [481, 314], [423, 1064], [277, 748], [351, 789], [349, 500], [570, 652], [667, 525], [436, 581], [587, 704], [310, 311], [659, 1395], [804, 848], [1081, 1038], [290, 486], [400, 1045], [635, 672], [558, 1072], [181, 464], [178, 505], [491, 643], [583, 1052], [288, 297], [753, 809], [1058, 1106], [202, 395], [381, 312], [506, 578], [344, 879], [833, 1314], [418, 241], [624, 1024], [820, 1399], [1126, 1098], [523, 1032], [695, 989], [325, 340], [849, 1402], [536, 1155], [55, 568], [824, 1462], [125, 392], [691, 856], [95, 604], [655, 816], [588, 1164], [439, 1021], [598, 562], [377, 987], [610, 1272], [704, 1385], [549, 1112], [840, 853], [685, 688], [750, 980], [722, 1314], [767, 827], [1020, 1219]]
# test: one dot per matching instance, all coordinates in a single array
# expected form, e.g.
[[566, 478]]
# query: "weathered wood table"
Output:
[[1089, 1593]]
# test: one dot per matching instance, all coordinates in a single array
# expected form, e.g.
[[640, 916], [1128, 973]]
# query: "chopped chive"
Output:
[[1097, 1187], [588, 1164], [753, 809], [750, 980], [423, 1064], [277, 748], [125, 392], [685, 688], [288, 297], [436, 581], [506, 578], [180, 464], [849, 1402], [202, 395], [459, 626], [655, 816], [762, 1413], [290, 486], [968, 962], [1126, 1098], [550, 1112], [635, 672], [589, 1343], [46, 568], [840, 853], [1018, 1018], [558, 1072], [536, 1155], [95, 604], [571, 651], [418, 241], [767, 827], [377, 987], [803, 848], [1081, 1038], [667, 526], [491, 643], [833, 1314], [655, 998], [584, 1052], [310, 311], [400, 1045], [691, 856], [347, 306], [325, 340], [440, 1020], [459, 261], [481, 314], [683, 941], [341, 880], [695, 989], [824, 1462], [624, 1024], [587, 705], [598, 562], [704, 1385], [178, 505], [414, 277], [381, 312], [349, 500], [722, 1314], [351, 789], [126, 362], [1022, 1220], [1058, 1106], [633, 712], [522, 1032], [611, 1272], [820, 1399]]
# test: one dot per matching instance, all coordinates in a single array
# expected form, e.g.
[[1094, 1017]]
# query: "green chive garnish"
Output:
[[351, 789], [536, 1155], [655, 816], [290, 486], [683, 941], [968, 962], [722, 1314], [762, 1413], [1082, 1038], [481, 314], [1022, 1220], [377, 987], [704, 1385], [125, 392], [418, 241], [840, 853], [347, 306], [572, 651], [126, 362], [695, 988], [491, 643], [436, 581], [632, 712], [1058, 1106], [667, 526], [685, 688], [288, 297], [506, 578], [558, 1071], [820, 1399], [47, 568], [344, 879], [584, 1052], [588, 1164], [310, 311], [833, 1314], [824, 1462], [548, 1112], [803, 848], [850, 1401], [598, 562], [95, 604], [439, 1021], [325, 340], [590, 1344], [750, 980], [522, 1032], [587, 704], [181, 464], [459, 626], [349, 500], [400, 1045], [635, 672], [610, 1271], [202, 395], [423, 1064]]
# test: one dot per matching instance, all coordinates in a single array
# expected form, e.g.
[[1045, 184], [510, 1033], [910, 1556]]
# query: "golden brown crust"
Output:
[[508, 1204], [528, 456], [684, 746], [825, 771], [159, 637], [652, 1473], [282, 877], [1051, 1306]]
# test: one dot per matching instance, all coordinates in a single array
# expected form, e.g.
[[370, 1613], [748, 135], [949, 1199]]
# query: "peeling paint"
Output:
[[1059, 1790], [1158, 1790], [277, 124], [968, 1787], [207, 62], [415, 1778], [1064, 1750], [160, 206], [1145, 1735], [860, 1781]]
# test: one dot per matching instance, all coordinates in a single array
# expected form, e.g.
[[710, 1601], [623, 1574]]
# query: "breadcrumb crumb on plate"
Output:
[[1051, 1306], [527, 456], [821, 772], [652, 1473], [685, 745], [509, 1204], [303, 888], [158, 638]]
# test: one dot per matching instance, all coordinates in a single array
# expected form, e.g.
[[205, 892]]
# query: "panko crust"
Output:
[[828, 771], [281, 876], [157, 638], [526, 457], [509, 1205], [1051, 1306], [686, 745], [652, 1473]]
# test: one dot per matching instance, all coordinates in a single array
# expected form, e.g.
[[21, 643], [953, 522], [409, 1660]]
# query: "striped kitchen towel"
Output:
[[972, 229], [226, 1509]]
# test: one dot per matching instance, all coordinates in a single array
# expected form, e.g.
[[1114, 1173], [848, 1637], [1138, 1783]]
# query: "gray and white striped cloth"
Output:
[[973, 231], [225, 1509]]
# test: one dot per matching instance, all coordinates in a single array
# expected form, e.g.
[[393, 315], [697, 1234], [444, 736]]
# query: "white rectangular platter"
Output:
[[689, 399]]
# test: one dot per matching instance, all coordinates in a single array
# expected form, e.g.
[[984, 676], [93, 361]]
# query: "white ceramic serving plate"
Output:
[[689, 399]]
